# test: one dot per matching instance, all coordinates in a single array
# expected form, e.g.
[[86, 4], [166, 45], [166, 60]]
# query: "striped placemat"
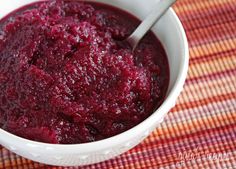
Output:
[[200, 132]]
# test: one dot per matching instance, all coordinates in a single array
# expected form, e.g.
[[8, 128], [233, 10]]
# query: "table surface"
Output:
[[200, 131]]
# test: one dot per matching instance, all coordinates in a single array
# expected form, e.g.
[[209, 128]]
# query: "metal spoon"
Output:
[[159, 9]]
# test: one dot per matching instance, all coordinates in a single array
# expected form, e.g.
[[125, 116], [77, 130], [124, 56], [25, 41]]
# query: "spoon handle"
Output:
[[159, 9]]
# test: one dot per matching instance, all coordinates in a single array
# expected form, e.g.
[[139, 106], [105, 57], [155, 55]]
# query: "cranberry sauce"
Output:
[[65, 77]]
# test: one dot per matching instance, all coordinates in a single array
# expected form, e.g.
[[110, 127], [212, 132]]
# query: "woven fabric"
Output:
[[200, 131]]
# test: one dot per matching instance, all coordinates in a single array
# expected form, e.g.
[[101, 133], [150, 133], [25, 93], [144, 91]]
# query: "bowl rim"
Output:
[[124, 136]]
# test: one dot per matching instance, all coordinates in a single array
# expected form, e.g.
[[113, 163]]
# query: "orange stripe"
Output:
[[212, 48], [217, 56], [200, 18], [212, 33], [208, 88], [182, 131], [212, 67], [202, 102], [190, 7]]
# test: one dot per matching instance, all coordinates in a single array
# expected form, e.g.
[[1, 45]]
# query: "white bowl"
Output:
[[171, 33]]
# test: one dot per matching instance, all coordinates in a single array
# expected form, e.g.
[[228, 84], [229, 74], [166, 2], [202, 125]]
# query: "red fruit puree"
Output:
[[65, 77]]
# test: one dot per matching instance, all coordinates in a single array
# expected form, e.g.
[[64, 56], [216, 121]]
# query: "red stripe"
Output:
[[207, 35], [216, 75], [219, 54], [198, 134], [205, 18], [202, 102]]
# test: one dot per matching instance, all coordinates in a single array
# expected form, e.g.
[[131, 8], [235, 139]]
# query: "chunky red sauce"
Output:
[[65, 78]]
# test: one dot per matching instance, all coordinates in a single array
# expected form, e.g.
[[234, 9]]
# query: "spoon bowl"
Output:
[[157, 12]]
